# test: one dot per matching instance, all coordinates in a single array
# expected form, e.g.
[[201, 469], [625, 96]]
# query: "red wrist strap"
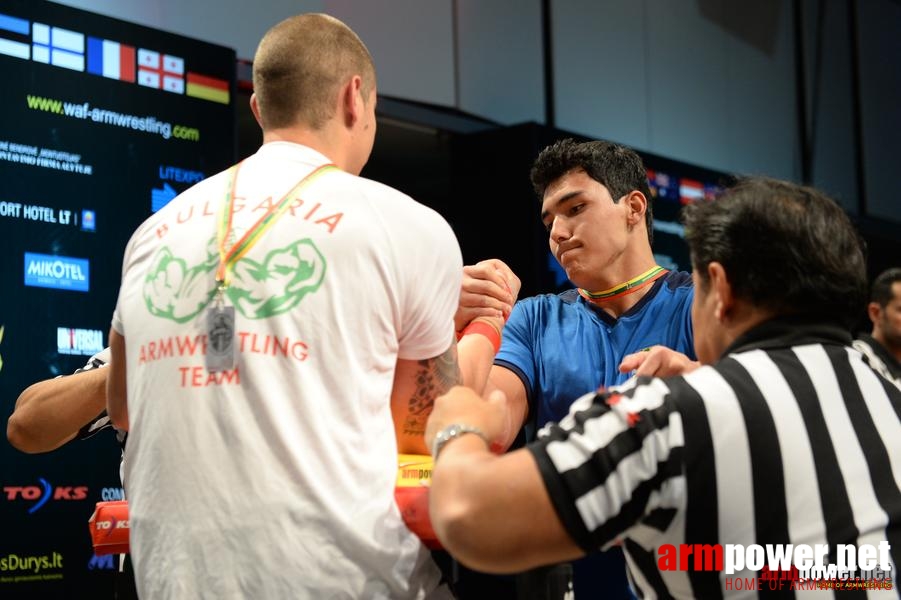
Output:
[[485, 329]]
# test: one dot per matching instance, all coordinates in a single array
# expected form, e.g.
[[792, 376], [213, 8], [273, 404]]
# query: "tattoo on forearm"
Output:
[[434, 377]]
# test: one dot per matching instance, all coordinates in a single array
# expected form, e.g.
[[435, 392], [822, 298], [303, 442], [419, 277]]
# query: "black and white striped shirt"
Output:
[[791, 438], [101, 421], [879, 358]]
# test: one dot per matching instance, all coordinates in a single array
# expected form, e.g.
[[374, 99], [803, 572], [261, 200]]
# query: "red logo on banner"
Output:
[[44, 493]]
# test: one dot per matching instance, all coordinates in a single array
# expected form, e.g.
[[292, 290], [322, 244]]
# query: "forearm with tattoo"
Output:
[[434, 377]]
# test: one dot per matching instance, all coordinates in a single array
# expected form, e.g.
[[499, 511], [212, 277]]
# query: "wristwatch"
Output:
[[452, 432]]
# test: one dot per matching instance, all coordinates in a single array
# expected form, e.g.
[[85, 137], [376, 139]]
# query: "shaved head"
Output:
[[299, 67]]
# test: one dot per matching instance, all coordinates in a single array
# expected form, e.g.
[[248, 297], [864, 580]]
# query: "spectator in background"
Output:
[[784, 436], [273, 354], [596, 207], [882, 347]]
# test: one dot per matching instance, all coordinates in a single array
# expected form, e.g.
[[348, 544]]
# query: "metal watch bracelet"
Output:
[[452, 432]]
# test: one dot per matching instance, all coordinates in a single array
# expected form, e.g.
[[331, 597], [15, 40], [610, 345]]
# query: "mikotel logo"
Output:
[[58, 272]]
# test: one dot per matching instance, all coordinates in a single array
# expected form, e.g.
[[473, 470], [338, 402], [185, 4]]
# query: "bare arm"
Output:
[[116, 391], [492, 513], [50, 413], [488, 291]]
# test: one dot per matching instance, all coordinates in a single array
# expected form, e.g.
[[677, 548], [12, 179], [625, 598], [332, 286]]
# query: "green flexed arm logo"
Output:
[[297, 269], [174, 291]]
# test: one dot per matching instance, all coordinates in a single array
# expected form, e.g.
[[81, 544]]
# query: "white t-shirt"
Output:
[[276, 479]]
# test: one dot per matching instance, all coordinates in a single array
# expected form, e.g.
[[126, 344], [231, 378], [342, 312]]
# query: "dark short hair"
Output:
[[785, 247], [881, 292], [616, 167]]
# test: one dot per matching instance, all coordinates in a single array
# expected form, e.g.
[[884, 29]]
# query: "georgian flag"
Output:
[[161, 71]]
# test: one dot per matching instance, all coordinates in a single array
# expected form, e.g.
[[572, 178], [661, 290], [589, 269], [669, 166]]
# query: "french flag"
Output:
[[111, 59]]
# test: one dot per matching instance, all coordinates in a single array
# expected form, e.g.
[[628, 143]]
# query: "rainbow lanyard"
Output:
[[229, 256], [629, 287]]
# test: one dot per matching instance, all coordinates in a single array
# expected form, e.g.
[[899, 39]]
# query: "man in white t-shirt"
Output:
[[281, 331]]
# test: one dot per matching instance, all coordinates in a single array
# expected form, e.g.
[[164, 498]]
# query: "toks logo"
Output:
[[41, 495]]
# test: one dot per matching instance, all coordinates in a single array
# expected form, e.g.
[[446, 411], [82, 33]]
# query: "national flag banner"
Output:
[[149, 78], [148, 59], [161, 71], [652, 182], [207, 88], [14, 39], [661, 180], [712, 192], [173, 84], [148, 68], [111, 59], [690, 190], [173, 65], [57, 46], [173, 74], [663, 186]]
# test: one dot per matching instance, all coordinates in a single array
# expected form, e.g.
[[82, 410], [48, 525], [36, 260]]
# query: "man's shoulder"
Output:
[[565, 300], [564, 310], [370, 187], [672, 295], [879, 359], [863, 343], [679, 280], [675, 292], [393, 202]]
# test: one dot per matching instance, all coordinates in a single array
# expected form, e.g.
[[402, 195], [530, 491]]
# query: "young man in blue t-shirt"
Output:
[[625, 313]]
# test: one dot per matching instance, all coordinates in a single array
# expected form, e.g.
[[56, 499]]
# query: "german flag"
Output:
[[207, 88]]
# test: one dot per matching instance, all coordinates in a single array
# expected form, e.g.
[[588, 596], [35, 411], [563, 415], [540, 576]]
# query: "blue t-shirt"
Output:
[[562, 346]]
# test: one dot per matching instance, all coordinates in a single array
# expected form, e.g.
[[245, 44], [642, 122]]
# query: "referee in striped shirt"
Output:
[[783, 436]]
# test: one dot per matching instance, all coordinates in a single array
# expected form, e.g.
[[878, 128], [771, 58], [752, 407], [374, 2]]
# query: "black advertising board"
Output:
[[103, 122]]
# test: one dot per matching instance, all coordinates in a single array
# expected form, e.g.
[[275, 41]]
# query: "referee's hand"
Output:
[[657, 361]]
